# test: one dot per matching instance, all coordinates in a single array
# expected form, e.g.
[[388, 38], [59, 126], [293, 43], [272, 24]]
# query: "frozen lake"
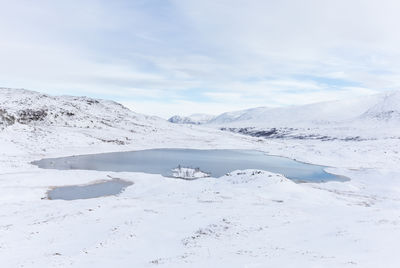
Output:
[[215, 162], [94, 190]]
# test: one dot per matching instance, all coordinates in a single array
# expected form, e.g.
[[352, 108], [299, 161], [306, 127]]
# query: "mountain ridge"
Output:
[[383, 107]]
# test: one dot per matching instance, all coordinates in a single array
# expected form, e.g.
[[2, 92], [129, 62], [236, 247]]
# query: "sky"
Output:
[[166, 57]]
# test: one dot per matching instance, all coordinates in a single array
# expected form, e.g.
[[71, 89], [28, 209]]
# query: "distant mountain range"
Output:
[[380, 107], [194, 119], [34, 117]]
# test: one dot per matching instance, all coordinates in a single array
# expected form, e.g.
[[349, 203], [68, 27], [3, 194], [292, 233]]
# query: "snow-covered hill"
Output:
[[380, 106], [387, 108], [369, 117], [20, 106], [363, 111], [241, 115]]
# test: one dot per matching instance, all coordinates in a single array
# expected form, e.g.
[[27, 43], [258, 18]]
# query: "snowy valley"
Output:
[[246, 218]]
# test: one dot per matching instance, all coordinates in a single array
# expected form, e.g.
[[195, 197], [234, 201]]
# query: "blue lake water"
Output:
[[215, 162]]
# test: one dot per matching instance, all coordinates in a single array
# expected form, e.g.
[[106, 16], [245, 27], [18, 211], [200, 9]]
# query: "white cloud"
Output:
[[195, 56]]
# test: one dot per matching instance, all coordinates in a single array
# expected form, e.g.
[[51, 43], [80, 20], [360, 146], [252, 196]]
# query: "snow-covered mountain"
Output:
[[194, 119], [20, 106], [240, 115], [380, 106], [387, 108], [363, 118]]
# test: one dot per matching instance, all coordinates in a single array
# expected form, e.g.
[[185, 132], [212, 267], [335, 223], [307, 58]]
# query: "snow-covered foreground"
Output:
[[245, 219]]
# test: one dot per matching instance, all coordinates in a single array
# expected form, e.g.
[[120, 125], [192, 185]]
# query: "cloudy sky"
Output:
[[166, 57]]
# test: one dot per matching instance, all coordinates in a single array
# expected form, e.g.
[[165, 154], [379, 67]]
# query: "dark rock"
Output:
[[29, 115], [5, 118]]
